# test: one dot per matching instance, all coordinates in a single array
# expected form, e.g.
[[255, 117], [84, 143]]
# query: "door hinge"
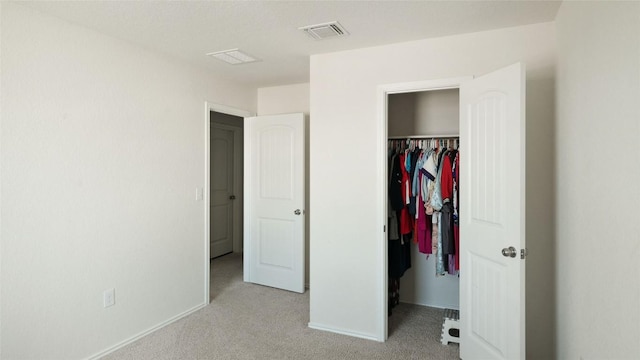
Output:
[[523, 253]]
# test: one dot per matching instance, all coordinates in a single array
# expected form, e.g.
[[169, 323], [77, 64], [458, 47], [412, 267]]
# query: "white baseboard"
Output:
[[145, 333], [344, 332]]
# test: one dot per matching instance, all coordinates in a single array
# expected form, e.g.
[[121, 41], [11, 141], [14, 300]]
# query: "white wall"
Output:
[[424, 113], [401, 113], [420, 286], [284, 99], [344, 226], [102, 148], [287, 99], [598, 172]]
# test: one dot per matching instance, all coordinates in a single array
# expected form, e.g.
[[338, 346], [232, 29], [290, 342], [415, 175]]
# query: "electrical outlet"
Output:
[[109, 297]]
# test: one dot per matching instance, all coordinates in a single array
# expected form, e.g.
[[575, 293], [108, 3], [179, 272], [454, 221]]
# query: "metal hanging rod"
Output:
[[419, 137], [422, 142]]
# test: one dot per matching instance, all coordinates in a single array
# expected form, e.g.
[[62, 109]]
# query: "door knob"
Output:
[[509, 252], [297, 212], [232, 197]]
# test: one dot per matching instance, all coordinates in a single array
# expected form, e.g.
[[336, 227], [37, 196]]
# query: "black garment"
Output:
[[395, 185], [399, 254], [440, 156], [406, 250], [448, 241], [452, 156]]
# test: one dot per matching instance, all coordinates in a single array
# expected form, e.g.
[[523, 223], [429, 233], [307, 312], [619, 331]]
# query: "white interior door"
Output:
[[222, 196], [274, 201], [492, 215]]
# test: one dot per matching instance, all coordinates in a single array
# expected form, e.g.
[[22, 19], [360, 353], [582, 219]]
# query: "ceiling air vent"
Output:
[[233, 56], [325, 31]]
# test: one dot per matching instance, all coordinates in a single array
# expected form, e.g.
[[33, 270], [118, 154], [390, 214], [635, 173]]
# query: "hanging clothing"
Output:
[[448, 241], [399, 256], [423, 207], [406, 220], [395, 184], [422, 159], [413, 162], [394, 231], [423, 224], [456, 179], [456, 236], [451, 264], [436, 197], [440, 267], [446, 183]]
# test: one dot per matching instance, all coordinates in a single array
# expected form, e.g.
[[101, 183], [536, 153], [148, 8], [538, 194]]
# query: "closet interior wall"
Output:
[[426, 113]]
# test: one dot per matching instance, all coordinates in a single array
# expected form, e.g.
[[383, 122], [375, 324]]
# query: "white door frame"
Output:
[[382, 179], [210, 106]]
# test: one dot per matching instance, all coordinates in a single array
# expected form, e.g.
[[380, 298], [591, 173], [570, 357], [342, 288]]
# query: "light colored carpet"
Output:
[[246, 321]]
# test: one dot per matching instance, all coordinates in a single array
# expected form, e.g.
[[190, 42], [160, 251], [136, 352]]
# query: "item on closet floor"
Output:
[[451, 327]]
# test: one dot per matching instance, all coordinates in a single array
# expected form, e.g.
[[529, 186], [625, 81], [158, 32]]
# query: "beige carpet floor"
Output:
[[247, 321]]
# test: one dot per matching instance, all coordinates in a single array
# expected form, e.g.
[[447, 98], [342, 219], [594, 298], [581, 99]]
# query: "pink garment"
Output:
[[456, 198], [446, 181], [406, 221]]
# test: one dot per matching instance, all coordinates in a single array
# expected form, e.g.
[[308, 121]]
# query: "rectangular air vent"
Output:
[[233, 56], [325, 31]]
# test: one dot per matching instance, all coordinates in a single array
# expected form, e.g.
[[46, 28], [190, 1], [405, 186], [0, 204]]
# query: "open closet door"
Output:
[[274, 201], [492, 216]]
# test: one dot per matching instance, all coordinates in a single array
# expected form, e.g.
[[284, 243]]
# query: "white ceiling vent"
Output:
[[325, 31], [233, 56]]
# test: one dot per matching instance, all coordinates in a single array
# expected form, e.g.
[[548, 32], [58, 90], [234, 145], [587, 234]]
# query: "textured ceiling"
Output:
[[269, 29]]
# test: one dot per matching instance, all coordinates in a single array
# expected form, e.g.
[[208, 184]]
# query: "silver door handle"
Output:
[[509, 252], [297, 212]]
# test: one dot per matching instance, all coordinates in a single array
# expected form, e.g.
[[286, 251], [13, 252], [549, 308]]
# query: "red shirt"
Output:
[[446, 181]]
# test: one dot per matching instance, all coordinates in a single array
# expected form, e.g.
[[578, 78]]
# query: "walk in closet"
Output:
[[423, 131]]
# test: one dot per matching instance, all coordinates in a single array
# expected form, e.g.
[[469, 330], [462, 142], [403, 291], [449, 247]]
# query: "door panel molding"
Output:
[[274, 229], [492, 284]]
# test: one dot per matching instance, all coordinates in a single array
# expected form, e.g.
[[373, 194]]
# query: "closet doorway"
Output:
[[423, 130], [425, 125], [223, 192], [491, 211], [226, 184]]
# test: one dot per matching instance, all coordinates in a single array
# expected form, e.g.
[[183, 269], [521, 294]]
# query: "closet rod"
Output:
[[422, 137]]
